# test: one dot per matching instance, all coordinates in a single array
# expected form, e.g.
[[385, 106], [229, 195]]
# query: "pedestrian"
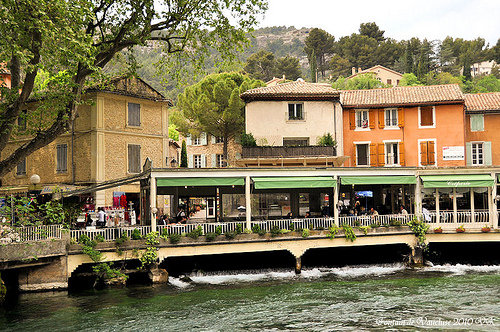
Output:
[[402, 210], [101, 217]]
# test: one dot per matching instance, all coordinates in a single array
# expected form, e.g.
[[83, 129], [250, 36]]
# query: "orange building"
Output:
[[404, 126], [482, 124]]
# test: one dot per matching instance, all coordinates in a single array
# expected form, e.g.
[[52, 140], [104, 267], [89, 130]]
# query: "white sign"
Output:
[[453, 153]]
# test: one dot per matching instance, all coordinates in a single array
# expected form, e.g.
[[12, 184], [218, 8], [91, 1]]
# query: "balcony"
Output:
[[287, 151]]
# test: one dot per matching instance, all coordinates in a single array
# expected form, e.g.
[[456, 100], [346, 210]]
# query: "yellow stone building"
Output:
[[124, 124]]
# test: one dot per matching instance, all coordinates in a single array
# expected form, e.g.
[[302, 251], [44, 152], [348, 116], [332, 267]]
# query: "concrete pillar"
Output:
[[152, 202], [298, 264], [248, 203], [437, 206], [455, 218], [492, 199], [418, 197], [471, 193]]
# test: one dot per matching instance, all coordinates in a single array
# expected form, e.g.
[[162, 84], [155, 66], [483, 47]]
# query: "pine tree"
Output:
[[314, 67], [184, 155]]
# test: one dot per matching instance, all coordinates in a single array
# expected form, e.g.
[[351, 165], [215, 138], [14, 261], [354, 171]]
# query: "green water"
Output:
[[355, 299]]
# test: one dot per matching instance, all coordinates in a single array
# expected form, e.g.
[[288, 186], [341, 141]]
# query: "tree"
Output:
[[313, 66], [288, 66], [372, 30], [359, 82], [409, 79], [184, 156], [261, 65], [213, 106], [71, 41], [319, 43]]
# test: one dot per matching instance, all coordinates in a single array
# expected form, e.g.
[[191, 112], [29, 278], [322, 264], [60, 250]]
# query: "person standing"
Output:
[[403, 211], [101, 215]]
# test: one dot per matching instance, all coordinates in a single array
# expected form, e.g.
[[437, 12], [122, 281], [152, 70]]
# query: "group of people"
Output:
[[180, 218], [102, 218], [360, 210]]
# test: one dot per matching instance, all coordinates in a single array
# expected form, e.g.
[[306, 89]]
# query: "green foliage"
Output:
[[136, 234], [239, 228], [349, 233], [291, 227], [247, 140], [333, 230], [305, 232], [419, 228], [318, 45], [164, 233], [359, 82], [193, 234], [364, 229], [149, 256], [375, 225], [83, 239], [230, 235], [275, 231], [122, 239], [409, 79], [261, 65], [218, 230], [326, 140], [395, 222], [210, 236], [289, 67], [99, 238], [104, 270], [152, 239], [256, 228], [184, 156], [174, 238], [173, 133]]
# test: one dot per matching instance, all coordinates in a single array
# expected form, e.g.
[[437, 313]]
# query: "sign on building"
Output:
[[453, 153]]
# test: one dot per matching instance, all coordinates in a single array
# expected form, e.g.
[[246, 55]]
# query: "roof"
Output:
[[130, 86], [403, 96], [482, 102], [298, 90], [372, 70]]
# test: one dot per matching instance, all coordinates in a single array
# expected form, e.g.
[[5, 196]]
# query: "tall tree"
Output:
[[261, 65], [73, 40], [372, 30], [288, 66], [320, 43], [213, 106], [184, 155]]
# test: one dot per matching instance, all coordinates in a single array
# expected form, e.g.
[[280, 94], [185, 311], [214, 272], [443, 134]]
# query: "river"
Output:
[[371, 297]]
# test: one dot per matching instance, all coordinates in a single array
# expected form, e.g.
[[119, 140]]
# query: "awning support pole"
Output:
[[437, 206], [152, 200], [472, 206], [455, 219], [336, 201], [248, 203]]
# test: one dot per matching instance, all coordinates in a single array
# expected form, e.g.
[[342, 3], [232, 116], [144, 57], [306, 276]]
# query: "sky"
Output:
[[401, 19]]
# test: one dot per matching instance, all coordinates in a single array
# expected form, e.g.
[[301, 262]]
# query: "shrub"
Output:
[[332, 232], [311, 227], [210, 236], [99, 238], [374, 225], [284, 231], [255, 228], [164, 233], [218, 230], [275, 231], [83, 239], [193, 234], [121, 239], [239, 228], [394, 222], [291, 227], [349, 233], [136, 234], [247, 140], [174, 238], [326, 140], [230, 235], [305, 232]]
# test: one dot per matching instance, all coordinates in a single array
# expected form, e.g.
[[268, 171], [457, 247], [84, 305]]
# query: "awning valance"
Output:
[[199, 182], [391, 179], [457, 181], [294, 182]]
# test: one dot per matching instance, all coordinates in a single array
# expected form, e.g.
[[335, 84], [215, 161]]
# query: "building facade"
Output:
[[206, 150], [383, 74]]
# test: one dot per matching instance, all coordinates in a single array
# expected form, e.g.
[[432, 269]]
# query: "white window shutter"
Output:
[[214, 160], [468, 153], [487, 153], [189, 140], [203, 160], [203, 137], [212, 139], [190, 161]]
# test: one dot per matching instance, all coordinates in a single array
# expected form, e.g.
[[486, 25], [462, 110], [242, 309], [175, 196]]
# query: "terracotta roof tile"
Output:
[[406, 95], [292, 90], [482, 102]]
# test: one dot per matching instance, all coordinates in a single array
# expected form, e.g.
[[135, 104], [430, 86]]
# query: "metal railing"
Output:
[[449, 220], [37, 233]]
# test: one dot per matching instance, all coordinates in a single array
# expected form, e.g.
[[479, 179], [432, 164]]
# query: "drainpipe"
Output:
[[73, 153]]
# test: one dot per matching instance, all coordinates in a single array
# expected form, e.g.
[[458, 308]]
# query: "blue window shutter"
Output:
[[487, 154], [468, 153]]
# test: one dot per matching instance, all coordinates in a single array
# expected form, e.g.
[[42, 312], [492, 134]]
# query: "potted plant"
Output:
[[438, 230], [460, 229], [485, 229]]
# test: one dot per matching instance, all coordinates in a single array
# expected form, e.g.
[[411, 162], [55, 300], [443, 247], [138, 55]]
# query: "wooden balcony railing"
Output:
[[287, 151]]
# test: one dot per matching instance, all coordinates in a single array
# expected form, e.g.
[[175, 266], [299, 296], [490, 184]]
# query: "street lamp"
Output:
[[173, 163], [35, 179]]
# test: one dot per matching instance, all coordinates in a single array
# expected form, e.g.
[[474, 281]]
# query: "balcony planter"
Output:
[[485, 229], [460, 229], [438, 230]]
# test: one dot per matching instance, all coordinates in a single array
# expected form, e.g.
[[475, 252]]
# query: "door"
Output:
[[210, 207]]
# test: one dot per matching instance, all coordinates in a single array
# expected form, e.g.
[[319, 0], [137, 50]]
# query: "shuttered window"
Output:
[[295, 112], [361, 154], [427, 116], [134, 114], [21, 168], [427, 153], [477, 122], [134, 158], [62, 158]]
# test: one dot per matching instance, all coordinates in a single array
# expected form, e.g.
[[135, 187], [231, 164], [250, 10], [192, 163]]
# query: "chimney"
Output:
[[359, 70], [353, 70]]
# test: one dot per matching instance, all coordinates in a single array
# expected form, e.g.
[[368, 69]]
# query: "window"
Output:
[[62, 158], [397, 82], [295, 112], [21, 168], [389, 81], [196, 140], [295, 141], [362, 155], [391, 118], [219, 139], [197, 161], [220, 160], [477, 122], [134, 114], [477, 154], [21, 120], [134, 158], [392, 153], [426, 116], [427, 153], [362, 119]]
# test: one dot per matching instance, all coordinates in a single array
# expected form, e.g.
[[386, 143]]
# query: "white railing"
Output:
[[109, 234], [37, 233], [450, 221], [381, 220]]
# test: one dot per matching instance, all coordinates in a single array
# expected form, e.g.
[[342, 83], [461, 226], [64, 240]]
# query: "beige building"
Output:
[[206, 151], [126, 123], [383, 74]]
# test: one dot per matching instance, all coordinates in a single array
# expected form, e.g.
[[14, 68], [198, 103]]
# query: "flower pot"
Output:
[[460, 230], [485, 229], [438, 231]]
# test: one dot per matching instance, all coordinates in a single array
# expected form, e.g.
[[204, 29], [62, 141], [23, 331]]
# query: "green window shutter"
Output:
[[468, 153], [487, 153], [477, 122]]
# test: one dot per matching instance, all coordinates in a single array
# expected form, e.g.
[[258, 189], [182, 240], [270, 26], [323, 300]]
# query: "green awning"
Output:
[[457, 181], [294, 182], [396, 179], [199, 182]]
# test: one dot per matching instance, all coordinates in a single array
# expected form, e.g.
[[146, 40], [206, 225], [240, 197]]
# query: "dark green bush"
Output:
[[210, 236], [136, 234], [239, 228], [230, 235], [218, 230], [275, 231], [174, 238]]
